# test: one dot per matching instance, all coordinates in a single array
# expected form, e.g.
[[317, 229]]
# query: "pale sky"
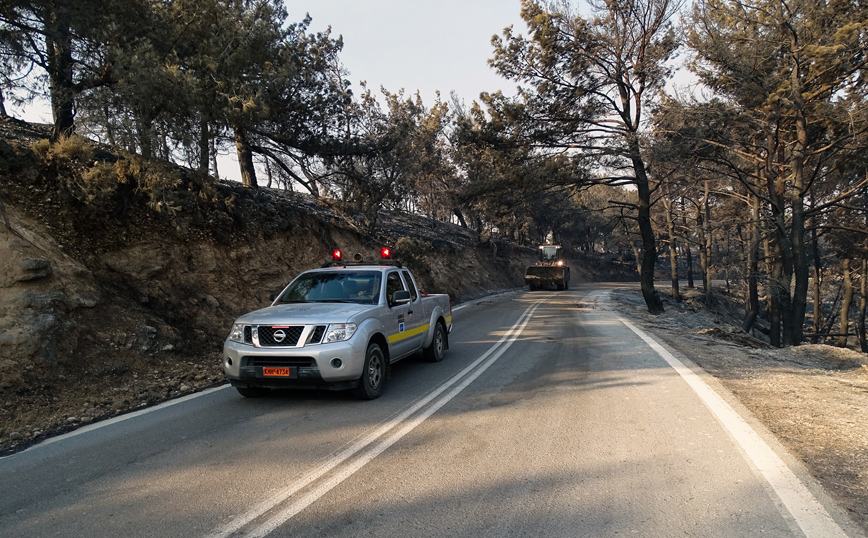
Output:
[[424, 45]]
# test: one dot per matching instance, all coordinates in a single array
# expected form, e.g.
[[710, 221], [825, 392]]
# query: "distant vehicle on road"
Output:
[[338, 327], [550, 270]]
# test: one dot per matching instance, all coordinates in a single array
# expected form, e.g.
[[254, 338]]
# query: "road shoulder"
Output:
[[809, 403]]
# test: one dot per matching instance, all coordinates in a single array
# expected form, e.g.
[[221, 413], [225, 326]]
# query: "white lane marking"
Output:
[[257, 511], [119, 418], [809, 514]]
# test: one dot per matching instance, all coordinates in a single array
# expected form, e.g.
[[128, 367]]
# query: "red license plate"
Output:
[[276, 372]]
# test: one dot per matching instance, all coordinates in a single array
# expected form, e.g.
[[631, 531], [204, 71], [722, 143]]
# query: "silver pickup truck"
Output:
[[337, 328]]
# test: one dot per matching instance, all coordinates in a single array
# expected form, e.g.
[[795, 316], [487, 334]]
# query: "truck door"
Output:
[[397, 319], [417, 316]]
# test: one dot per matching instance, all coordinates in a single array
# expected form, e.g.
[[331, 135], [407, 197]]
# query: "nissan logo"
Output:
[[279, 336]]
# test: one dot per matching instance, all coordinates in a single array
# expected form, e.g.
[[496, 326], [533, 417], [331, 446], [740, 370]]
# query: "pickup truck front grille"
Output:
[[279, 336], [278, 361], [317, 334]]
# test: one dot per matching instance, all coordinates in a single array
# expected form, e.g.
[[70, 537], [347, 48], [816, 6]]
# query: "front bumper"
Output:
[[339, 364], [543, 281]]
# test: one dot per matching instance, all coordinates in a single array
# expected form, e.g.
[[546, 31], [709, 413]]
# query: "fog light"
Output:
[[228, 361], [337, 363]]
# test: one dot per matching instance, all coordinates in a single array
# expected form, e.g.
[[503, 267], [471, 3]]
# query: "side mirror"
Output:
[[400, 297]]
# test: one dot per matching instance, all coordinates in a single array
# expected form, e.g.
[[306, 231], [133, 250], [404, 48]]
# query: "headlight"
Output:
[[338, 332], [237, 333]]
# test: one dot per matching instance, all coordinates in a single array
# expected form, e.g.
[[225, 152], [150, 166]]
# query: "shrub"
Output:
[[73, 148]]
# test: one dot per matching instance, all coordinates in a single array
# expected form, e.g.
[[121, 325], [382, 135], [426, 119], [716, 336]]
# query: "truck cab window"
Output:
[[393, 284], [410, 285]]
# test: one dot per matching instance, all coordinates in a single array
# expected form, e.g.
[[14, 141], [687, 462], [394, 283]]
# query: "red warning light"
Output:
[[386, 253], [337, 255]]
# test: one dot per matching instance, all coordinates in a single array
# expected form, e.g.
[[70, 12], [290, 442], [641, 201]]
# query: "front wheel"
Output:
[[434, 352], [373, 378]]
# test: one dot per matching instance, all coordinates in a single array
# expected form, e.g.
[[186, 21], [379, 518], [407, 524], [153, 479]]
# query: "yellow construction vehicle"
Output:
[[550, 270]]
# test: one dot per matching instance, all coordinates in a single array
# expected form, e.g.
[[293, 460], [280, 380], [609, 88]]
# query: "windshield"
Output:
[[548, 254], [361, 287]]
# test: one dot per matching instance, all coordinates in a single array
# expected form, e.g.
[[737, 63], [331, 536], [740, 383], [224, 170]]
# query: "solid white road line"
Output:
[[808, 513], [360, 452], [119, 418]]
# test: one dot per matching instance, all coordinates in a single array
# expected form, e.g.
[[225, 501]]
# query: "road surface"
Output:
[[552, 415]]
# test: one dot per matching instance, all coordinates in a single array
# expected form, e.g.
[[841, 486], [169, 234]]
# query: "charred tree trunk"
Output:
[[775, 269], [649, 246], [863, 307], [689, 252], [268, 173], [646, 231], [794, 328], [707, 244], [146, 135], [780, 277], [703, 253], [690, 283], [817, 322], [214, 169], [703, 250], [204, 146], [845, 303], [460, 216], [673, 250], [58, 45], [109, 126], [245, 158], [752, 310]]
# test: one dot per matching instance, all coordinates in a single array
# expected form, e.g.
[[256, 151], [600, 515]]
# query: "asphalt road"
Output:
[[550, 416]]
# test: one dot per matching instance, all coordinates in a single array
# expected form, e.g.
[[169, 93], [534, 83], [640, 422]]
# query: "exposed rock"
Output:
[[33, 269], [10, 372], [139, 261]]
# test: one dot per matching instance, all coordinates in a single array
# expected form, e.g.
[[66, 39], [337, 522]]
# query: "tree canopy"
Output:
[[760, 174]]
